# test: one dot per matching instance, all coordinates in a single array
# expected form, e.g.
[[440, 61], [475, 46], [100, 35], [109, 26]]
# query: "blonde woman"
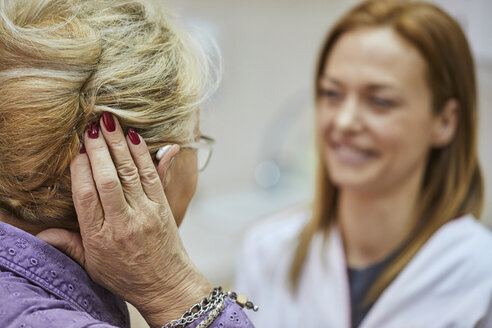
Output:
[[392, 239], [75, 77]]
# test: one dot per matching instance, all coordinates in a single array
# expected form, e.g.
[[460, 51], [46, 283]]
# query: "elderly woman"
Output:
[[68, 69], [392, 239]]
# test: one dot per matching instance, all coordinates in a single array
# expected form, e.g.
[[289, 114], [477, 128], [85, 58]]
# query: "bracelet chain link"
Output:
[[196, 311]]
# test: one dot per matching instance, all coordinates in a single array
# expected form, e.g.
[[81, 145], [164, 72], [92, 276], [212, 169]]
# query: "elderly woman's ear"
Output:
[[165, 157]]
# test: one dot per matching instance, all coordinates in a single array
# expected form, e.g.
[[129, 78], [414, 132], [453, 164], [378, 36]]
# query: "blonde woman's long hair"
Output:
[[452, 185], [62, 64]]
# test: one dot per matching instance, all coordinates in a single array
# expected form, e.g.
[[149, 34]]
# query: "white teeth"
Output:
[[350, 155]]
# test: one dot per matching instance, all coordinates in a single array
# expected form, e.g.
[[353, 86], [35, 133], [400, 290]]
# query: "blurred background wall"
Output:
[[262, 114]]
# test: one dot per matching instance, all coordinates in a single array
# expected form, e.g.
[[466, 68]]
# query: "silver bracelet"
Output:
[[213, 304], [211, 316], [196, 311]]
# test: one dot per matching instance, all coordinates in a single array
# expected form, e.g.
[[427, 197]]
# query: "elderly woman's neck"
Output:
[[31, 228]]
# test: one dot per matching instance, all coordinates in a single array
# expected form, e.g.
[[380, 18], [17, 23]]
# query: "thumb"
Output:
[[66, 241]]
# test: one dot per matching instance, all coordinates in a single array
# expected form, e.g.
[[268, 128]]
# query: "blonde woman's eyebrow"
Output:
[[382, 87], [324, 79]]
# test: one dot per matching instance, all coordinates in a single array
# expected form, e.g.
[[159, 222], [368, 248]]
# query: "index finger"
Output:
[[105, 177]]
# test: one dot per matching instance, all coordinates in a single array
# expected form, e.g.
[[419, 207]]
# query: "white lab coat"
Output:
[[448, 284]]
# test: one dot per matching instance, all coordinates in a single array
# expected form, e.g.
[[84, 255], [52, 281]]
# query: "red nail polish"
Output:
[[82, 148], [93, 131], [108, 121], [134, 137]]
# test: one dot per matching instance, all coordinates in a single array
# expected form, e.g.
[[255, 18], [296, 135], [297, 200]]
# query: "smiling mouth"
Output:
[[351, 155]]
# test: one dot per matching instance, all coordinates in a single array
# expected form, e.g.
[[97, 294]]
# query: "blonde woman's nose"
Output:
[[348, 116]]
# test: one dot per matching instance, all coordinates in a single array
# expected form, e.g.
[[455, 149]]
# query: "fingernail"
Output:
[[162, 151], [82, 148], [93, 131], [108, 121], [134, 137]]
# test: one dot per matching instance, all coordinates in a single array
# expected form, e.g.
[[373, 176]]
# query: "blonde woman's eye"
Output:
[[330, 94], [382, 102]]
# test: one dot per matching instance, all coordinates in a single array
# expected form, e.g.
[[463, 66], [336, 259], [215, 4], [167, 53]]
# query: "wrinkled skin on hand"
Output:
[[129, 241]]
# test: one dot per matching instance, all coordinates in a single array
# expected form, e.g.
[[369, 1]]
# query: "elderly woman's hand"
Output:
[[128, 240]]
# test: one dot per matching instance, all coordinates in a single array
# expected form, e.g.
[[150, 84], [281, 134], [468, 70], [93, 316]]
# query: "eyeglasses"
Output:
[[204, 147]]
